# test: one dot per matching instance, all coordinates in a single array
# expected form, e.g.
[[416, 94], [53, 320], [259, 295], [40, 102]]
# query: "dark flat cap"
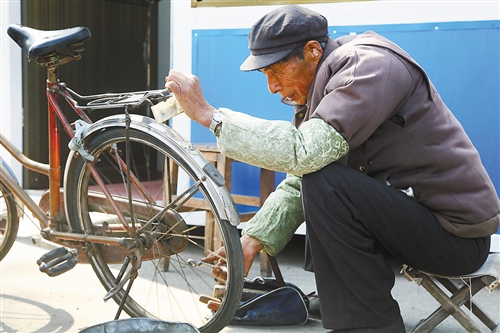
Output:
[[279, 32]]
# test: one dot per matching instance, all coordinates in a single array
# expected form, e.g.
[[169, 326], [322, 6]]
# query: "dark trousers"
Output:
[[355, 223]]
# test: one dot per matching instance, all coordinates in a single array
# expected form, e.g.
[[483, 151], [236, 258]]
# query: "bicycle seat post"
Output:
[[50, 61]]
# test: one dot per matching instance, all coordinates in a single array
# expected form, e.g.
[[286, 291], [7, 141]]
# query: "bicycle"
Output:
[[130, 203]]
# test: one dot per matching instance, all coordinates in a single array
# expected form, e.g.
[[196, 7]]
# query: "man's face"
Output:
[[291, 79]]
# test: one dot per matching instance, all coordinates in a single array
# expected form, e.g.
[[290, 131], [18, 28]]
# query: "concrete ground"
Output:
[[33, 302]]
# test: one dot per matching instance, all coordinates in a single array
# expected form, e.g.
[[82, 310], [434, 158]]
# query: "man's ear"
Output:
[[313, 50]]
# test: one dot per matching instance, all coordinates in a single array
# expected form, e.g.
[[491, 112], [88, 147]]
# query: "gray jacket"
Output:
[[400, 132]]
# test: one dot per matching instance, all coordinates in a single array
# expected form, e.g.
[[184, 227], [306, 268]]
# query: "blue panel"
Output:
[[217, 55], [461, 58]]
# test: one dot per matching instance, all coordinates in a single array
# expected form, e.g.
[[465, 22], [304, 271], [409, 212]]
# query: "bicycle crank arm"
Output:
[[194, 263], [42, 242]]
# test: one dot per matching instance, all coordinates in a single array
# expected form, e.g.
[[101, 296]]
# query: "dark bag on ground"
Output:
[[270, 304]]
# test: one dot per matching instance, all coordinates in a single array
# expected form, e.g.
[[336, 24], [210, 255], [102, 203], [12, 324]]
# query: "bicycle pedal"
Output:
[[205, 299], [213, 305], [57, 261], [219, 291]]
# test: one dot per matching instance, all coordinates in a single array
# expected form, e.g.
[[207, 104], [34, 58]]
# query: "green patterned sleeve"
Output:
[[276, 222], [278, 145]]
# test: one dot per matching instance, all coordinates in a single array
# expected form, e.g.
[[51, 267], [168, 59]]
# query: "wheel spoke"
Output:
[[171, 222]]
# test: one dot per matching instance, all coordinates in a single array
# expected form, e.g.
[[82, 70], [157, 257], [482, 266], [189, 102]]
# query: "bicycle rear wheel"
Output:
[[167, 287], [9, 220]]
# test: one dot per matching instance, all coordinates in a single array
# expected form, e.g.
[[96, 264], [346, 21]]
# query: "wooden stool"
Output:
[[488, 276], [223, 164]]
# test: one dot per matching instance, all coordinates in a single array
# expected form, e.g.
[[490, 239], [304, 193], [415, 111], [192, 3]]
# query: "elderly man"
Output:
[[377, 165]]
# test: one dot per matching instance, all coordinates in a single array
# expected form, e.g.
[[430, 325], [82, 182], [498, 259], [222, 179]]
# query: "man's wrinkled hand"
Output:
[[188, 93], [250, 247], [218, 258]]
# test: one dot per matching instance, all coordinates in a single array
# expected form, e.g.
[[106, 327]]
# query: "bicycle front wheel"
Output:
[[171, 210], [9, 220]]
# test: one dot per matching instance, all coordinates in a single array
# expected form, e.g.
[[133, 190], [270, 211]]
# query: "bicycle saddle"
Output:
[[36, 43]]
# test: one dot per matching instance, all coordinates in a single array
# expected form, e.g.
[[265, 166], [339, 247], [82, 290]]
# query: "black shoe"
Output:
[[314, 310]]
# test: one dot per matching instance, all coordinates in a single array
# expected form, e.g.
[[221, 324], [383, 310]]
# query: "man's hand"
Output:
[[250, 246], [187, 90]]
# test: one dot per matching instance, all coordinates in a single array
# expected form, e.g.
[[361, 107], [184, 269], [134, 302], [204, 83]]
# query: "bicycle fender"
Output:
[[214, 183]]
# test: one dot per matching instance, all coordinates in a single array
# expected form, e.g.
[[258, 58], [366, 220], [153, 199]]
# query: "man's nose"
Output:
[[273, 84]]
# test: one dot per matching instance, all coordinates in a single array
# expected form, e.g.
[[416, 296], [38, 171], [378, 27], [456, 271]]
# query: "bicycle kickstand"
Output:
[[131, 275]]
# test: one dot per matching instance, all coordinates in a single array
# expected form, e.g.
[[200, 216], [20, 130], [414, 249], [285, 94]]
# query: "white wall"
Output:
[[185, 18], [11, 111]]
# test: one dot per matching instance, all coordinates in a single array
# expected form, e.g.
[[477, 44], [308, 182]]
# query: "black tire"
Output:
[[172, 295], [9, 220]]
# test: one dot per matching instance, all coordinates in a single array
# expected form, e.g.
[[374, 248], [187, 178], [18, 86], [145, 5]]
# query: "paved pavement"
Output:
[[33, 302]]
